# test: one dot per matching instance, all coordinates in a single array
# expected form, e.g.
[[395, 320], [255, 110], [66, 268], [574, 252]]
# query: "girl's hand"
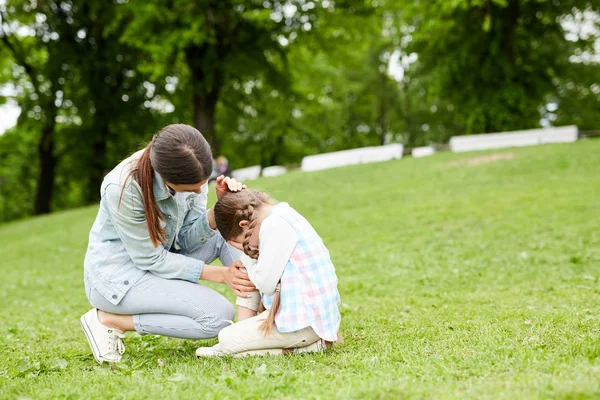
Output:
[[226, 184], [237, 280]]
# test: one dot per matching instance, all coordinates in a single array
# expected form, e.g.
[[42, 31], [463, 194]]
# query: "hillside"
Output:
[[472, 275]]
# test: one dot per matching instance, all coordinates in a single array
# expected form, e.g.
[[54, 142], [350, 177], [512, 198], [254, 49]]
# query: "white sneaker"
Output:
[[317, 347], [209, 351], [105, 342]]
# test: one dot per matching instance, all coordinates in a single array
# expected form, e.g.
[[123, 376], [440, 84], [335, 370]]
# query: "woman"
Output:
[[150, 244]]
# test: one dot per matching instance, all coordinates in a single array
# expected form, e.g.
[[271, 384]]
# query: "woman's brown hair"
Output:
[[180, 155], [230, 210]]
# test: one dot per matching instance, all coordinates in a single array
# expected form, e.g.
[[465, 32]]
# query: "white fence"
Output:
[[275, 170], [246, 174], [350, 157], [418, 152], [532, 137]]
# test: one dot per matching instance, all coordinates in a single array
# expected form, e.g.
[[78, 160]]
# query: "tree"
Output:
[[495, 61], [340, 96], [78, 84], [110, 95], [211, 43], [39, 80]]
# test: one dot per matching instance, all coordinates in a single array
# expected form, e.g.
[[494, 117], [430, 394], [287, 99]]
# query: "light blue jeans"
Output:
[[173, 307]]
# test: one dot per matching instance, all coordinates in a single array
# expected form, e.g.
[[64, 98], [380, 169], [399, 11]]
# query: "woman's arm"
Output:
[[233, 276], [127, 215], [196, 228], [199, 224]]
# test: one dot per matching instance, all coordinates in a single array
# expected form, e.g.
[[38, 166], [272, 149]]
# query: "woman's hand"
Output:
[[225, 184], [237, 280]]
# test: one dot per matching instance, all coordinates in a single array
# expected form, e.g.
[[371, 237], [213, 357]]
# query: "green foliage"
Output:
[[577, 100], [488, 290], [210, 43], [499, 72], [17, 177], [340, 97], [81, 96], [269, 82]]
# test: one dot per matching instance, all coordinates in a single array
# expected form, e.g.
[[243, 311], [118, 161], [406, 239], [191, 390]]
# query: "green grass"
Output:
[[457, 281]]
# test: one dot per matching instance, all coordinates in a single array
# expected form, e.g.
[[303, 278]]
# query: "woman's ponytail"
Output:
[[144, 175], [180, 155]]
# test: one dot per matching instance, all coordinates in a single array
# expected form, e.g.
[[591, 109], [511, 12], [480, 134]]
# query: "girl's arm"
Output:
[[276, 243]]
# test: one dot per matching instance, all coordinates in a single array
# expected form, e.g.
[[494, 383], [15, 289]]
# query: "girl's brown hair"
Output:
[[180, 155], [230, 210], [235, 207]]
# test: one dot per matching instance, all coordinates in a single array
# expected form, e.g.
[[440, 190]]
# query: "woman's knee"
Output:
[[227, 336], [98, 301], [212, 324], [227, 311]]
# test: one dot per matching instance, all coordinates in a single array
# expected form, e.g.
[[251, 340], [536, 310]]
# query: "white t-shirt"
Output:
[[277, 240]]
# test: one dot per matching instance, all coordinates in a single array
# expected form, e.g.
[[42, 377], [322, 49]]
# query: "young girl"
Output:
[[290, 266]]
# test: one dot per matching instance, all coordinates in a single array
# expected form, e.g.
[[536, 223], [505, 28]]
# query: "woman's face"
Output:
[[194, 188]]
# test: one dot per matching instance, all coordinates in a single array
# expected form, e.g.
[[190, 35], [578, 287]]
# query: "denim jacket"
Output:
[[120, 251]]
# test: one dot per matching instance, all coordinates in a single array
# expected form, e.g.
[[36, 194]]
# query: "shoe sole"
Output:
[[91, 341], [213, 354], [316, 347], [275, 352], [272, 352], [265, 352]]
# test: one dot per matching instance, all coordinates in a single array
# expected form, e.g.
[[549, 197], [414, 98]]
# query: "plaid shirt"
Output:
[[309, 295]]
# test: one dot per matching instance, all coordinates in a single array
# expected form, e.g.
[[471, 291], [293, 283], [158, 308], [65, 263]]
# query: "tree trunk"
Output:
[[98, 165], [509, 31], [277, 149], [103, 97], [206, 85], [205, 107], [45, 182], [410, 139], [382, 120]]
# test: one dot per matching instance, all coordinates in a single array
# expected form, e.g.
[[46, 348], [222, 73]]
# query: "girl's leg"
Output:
[[248, 306], [245, 313], [246, 337]]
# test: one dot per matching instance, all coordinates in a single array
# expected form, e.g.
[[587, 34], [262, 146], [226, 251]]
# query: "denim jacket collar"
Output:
[[161, 191]]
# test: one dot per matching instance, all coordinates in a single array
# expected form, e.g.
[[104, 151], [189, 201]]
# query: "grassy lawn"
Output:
[[458, 280]]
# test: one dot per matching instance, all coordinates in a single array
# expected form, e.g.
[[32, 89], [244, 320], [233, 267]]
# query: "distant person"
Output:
[[223, 166], [152, 241], [291, 268], [220, 167]]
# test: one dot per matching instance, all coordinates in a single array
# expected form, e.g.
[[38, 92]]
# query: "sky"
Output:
[[8, 116]]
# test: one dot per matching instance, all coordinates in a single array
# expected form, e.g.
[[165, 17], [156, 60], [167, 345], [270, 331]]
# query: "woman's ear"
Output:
[[244, 224]]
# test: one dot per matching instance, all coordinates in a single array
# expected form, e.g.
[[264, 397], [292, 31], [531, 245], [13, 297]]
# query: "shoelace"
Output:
[[115, 344]]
